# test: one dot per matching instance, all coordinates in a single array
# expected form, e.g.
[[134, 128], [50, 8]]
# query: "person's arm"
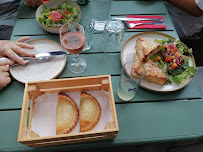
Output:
[[188, 6], [13, 49], [33, 3]]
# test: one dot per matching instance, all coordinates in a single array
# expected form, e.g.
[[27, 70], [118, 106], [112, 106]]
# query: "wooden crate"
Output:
[[35, 89]]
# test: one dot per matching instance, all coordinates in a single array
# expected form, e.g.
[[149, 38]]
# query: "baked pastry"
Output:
[[146, 48], [90, 112], [152, 72], [66, 114]]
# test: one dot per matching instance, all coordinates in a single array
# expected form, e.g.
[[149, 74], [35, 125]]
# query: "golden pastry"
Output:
[[66, 114], [90, 112]]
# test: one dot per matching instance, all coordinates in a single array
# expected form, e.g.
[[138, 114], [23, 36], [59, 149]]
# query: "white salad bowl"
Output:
[[51, 4]]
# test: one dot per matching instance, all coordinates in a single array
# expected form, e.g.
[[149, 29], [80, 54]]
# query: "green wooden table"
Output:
[[149, 117]]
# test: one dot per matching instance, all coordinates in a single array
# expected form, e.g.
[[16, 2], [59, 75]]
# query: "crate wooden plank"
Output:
[[160, 122], [118, 8], [15, 100]]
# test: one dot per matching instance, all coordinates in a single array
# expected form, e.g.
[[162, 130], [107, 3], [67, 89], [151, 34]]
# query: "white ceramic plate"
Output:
[[128, 53], [40, 71]]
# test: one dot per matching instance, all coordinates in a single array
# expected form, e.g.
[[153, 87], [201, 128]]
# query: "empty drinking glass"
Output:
[[87, 22], [113, 35], [100, 12]]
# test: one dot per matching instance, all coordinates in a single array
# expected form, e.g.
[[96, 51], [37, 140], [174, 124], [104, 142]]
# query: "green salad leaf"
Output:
[[169, 78], [190, 71]]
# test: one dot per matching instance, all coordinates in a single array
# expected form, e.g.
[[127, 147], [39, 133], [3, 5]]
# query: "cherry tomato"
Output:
[[157, 58], [174, 65], [169, 59]]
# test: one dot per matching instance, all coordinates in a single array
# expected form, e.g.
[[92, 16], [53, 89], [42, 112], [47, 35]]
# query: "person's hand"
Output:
[[12, 49], [4, 74], [33, 3]]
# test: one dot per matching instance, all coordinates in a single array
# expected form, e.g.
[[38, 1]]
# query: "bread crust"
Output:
[[64, 101], [89, 114], [146, 48]]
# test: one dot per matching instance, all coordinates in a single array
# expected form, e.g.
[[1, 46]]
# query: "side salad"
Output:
[[56, 17], [173, 59]]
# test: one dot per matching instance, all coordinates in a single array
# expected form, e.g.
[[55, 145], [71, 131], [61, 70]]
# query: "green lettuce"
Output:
[[168, 77], [190, 71]]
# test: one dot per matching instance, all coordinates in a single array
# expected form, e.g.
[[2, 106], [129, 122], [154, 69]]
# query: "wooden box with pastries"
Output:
[[65, 111]]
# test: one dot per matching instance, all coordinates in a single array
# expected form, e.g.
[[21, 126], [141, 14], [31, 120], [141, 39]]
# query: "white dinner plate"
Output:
[[128, 53], [40, 71]]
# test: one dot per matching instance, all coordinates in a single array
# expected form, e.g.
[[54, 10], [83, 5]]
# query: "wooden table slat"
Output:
[[161, 117], [149, 117], [32, 27], [96, 47], [117, 8], [15, 100]]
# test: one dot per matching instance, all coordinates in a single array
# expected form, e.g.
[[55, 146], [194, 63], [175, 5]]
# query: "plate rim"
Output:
[[52, 77], [166, 35]]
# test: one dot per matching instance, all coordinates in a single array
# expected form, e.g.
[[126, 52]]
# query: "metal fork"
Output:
[[131, 25]]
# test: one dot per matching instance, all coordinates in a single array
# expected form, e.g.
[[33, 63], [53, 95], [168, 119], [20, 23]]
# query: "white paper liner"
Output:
[[44, 116]]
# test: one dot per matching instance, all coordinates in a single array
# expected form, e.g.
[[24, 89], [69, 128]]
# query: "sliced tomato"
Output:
[[157, 58], [174, 65], [169, 59]]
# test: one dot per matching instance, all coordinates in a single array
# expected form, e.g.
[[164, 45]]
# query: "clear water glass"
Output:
[[100, 12], [113, 35], [87, 22], [129, 83]]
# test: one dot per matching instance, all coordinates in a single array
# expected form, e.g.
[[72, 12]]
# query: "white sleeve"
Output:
[[199, 4]]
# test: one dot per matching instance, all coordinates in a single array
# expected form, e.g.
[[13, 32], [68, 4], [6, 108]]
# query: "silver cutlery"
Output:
[[51, 54], [137, 19], [41, 57], [38, 60], [131, 25]]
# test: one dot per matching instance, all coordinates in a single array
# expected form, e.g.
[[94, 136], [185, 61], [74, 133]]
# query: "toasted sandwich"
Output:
[[152, 72], [146, 48]]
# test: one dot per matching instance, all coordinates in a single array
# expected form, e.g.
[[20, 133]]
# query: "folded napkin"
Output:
[[45, 1], [145, 26]]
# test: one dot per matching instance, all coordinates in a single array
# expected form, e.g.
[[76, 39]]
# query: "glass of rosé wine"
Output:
[[73, 41]]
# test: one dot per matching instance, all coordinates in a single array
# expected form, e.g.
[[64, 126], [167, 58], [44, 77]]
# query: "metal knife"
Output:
[[51, 54], [137, 19]]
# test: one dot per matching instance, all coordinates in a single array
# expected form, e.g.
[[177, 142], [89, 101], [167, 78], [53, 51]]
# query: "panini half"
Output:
[[66, 114], [90, 112], [152, 72], [146, 48]]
